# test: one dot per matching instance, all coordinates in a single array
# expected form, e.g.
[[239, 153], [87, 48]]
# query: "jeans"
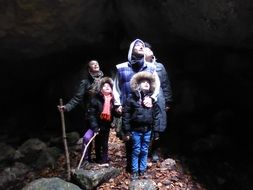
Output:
[[141, 141]]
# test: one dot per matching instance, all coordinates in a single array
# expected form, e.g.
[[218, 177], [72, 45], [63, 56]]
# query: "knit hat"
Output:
[[138, 77]]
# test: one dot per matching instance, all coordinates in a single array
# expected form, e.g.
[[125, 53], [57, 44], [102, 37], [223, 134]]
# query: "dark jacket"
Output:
[[165, 83], [136, 116], [95, 109], [165, 95], [83, 93]]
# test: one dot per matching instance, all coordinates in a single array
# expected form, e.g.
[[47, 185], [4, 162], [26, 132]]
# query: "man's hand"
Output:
[[126, 137], [167, 107], [156, 136]]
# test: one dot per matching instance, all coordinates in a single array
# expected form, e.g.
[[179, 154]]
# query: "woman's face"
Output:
[[94, 66]]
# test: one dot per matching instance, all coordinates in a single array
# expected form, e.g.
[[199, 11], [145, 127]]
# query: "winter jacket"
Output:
[[83, 93], [125, 71], [165, 88], [95, 109], [165, 95], [136, 116]]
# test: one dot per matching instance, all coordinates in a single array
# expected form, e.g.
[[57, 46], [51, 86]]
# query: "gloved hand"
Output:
[[156, 136], [96, 130]]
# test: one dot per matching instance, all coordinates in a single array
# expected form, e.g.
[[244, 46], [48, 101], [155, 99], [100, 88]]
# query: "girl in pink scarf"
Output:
[[100, 116]]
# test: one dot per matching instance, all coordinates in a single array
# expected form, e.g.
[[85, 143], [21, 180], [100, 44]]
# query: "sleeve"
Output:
[[166, 85], [157, 87], [126, 117], [92, 114], [116, 90], [156, 117], [78, 97]]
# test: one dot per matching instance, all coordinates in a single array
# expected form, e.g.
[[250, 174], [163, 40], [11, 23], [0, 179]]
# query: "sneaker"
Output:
[[134, 176]]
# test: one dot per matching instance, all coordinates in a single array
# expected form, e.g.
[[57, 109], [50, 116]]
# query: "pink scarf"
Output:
[[106, 114]]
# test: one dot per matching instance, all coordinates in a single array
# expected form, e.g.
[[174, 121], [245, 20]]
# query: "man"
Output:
[[121, 87], [164, 99]]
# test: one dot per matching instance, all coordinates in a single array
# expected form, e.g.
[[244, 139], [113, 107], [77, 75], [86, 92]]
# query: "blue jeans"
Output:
[[141, 141]]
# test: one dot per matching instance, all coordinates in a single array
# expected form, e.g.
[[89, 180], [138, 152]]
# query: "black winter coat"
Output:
[[137, 117], [95, 109], [83, 93]]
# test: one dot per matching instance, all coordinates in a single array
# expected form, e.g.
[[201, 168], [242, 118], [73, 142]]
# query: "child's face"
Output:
[[144, 85], [106, 89]]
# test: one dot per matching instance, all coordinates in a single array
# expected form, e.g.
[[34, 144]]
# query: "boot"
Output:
[[155, 157], [134, 176]]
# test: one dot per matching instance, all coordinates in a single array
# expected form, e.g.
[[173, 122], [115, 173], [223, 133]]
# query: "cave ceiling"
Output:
[[31, 29]]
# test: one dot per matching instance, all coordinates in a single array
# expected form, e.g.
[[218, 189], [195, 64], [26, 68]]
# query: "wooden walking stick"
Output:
[[65, 139], [85, 149]]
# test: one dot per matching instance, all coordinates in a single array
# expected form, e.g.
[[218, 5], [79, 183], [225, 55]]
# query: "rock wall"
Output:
[[36, 28]]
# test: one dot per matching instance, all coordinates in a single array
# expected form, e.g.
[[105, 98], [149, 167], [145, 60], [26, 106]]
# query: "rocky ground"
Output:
[[176, 178]]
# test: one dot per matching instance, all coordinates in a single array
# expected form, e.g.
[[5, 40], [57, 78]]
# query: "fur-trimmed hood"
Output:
[[105, 80], [135, 81]]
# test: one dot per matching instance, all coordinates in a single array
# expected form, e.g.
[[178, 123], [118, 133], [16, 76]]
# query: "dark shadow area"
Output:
[[209, 123]]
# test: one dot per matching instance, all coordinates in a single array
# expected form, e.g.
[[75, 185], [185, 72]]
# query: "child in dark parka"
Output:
[[139, 121]]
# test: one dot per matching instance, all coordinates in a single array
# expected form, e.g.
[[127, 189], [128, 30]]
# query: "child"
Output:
[[100, 118], [138, 120]]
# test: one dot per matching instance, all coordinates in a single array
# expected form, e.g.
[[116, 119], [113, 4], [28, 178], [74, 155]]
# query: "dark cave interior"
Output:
[[206, 47], [209, 124]]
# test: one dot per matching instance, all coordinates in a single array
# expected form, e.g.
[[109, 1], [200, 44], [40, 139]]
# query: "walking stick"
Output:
[[65, 139], [85, 149]]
